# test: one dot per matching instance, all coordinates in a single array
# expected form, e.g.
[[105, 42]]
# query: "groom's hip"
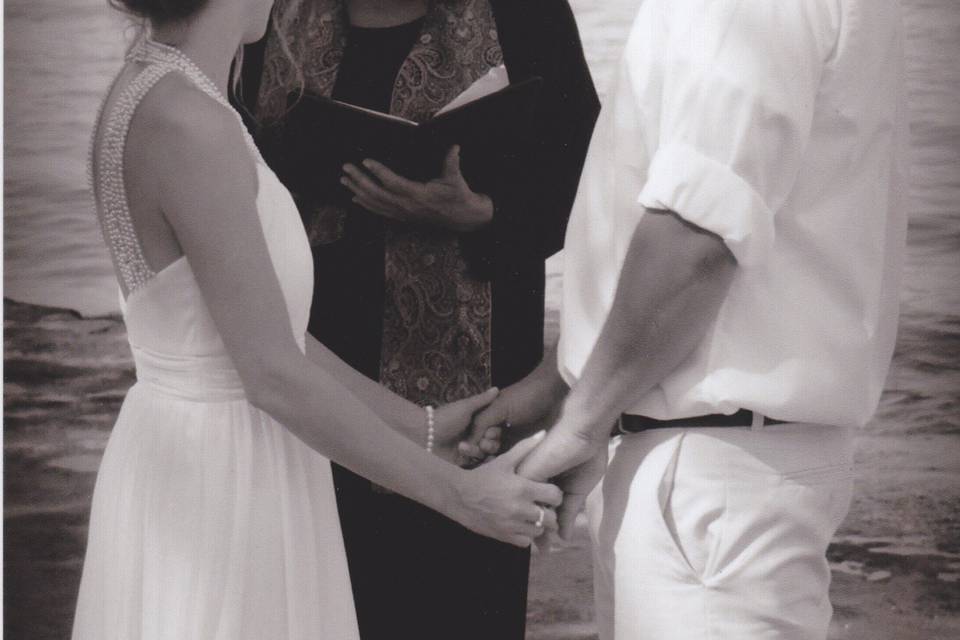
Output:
[[719, 532]]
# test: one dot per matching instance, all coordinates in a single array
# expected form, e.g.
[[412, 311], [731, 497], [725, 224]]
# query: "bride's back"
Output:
[[166, 149], [126, 131]]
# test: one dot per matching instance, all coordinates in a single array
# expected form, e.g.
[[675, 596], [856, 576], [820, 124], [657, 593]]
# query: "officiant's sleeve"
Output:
[[533, 197]]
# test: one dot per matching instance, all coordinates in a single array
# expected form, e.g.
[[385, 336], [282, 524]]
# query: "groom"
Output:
[[730, 305]]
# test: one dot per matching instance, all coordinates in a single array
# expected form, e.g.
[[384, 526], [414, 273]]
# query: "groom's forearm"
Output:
[[673, 281]]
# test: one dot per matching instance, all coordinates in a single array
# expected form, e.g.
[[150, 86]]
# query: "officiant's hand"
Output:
[[446, 201]]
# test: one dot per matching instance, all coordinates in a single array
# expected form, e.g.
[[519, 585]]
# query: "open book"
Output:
[[493, 81], [321, 135]]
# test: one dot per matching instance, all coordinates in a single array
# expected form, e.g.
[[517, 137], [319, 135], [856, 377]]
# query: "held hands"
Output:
[[452, 421], [493, 500], [531, 405], [576, 484], [571, 456], [446, 201]]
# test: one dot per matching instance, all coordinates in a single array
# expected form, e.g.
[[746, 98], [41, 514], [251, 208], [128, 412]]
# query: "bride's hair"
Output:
[[160, 11]]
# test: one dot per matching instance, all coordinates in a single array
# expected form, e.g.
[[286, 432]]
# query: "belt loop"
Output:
[[757, 423]]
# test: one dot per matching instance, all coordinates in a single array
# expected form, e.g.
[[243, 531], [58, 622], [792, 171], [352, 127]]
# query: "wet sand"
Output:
[[896, 560]]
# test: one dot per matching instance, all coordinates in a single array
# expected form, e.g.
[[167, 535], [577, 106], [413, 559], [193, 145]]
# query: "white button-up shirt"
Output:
[[777, 125]]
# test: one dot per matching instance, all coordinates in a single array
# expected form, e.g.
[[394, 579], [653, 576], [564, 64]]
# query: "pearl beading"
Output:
[[106, 174], [431, 427]]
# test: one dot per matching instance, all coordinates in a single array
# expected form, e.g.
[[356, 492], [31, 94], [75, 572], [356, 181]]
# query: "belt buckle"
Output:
[[620, 431]]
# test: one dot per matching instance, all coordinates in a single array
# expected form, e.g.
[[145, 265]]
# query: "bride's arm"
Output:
[[207, 188], [401, 414], [408, 418]]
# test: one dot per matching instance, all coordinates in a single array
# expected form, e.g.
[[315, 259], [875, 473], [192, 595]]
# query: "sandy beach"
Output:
[[896, 560]]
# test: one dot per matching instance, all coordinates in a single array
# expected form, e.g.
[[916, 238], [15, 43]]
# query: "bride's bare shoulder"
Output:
[[175, 111], [179, 128]]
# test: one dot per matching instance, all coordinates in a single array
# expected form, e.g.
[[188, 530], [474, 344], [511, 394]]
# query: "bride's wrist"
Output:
[[450, 493], [412, 423]]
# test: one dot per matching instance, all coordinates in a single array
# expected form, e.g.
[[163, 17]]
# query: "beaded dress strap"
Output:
[[108, 188], [152, 52]]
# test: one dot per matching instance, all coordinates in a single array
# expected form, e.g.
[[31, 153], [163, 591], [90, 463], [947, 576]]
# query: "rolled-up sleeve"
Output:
[[739, 82]]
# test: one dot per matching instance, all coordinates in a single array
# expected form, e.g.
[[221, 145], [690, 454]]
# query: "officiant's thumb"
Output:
[[451, 166], [521, 450]]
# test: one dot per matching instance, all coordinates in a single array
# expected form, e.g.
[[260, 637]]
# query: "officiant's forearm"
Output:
[[672, 284]]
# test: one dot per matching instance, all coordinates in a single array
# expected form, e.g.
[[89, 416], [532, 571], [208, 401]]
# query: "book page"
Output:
[[493, 81], [373, 112]]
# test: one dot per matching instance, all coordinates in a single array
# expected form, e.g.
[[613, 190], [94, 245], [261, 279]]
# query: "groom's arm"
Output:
[[673, 281]]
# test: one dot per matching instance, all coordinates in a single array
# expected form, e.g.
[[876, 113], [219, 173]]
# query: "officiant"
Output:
[[435, 288]]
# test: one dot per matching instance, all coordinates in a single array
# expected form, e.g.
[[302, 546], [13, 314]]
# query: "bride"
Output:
[[214, 514]]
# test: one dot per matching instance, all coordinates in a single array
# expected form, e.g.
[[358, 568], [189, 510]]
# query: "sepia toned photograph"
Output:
[[481, 320]]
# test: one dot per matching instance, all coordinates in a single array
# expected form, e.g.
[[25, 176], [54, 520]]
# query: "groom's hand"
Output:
[[574, 462], [560, 452], [531, 405], [576, 484]]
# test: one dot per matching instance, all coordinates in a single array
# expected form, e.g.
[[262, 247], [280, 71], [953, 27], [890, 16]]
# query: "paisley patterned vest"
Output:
[[436, 319]]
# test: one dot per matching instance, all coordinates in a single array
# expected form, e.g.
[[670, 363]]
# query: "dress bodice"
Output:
[[174, 339]]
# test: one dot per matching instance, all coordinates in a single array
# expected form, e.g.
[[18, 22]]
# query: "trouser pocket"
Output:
[[690, 515]]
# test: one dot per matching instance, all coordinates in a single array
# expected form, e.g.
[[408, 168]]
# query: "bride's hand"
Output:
[[452, 421], [494, 501]]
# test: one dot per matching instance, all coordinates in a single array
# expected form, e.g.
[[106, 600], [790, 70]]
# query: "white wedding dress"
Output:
[[210, 520]]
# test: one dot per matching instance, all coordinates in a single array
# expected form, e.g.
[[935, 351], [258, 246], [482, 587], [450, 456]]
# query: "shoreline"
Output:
[[45, 309], [895, 561]]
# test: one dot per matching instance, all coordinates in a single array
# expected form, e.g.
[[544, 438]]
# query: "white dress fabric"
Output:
[[210, 520]]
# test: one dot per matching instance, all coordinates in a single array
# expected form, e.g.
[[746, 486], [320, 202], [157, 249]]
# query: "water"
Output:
[[61, 54]]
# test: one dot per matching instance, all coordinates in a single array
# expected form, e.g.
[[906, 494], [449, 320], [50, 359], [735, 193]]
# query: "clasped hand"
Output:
[[493, 499], [572, 462], [446, 201]]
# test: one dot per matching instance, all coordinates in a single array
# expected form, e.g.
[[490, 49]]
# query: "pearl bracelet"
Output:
[[430, 427]]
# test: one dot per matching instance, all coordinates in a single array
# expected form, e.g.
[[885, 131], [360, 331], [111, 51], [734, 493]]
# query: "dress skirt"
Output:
[[211, 521]]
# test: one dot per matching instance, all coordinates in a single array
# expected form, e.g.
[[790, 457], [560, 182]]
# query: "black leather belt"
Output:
[[629, 423]]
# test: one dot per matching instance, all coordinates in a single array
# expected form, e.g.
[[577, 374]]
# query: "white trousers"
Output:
[[719, 533]]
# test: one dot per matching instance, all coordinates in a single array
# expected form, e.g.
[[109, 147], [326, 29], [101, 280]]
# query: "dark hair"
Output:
[[160, 11]]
